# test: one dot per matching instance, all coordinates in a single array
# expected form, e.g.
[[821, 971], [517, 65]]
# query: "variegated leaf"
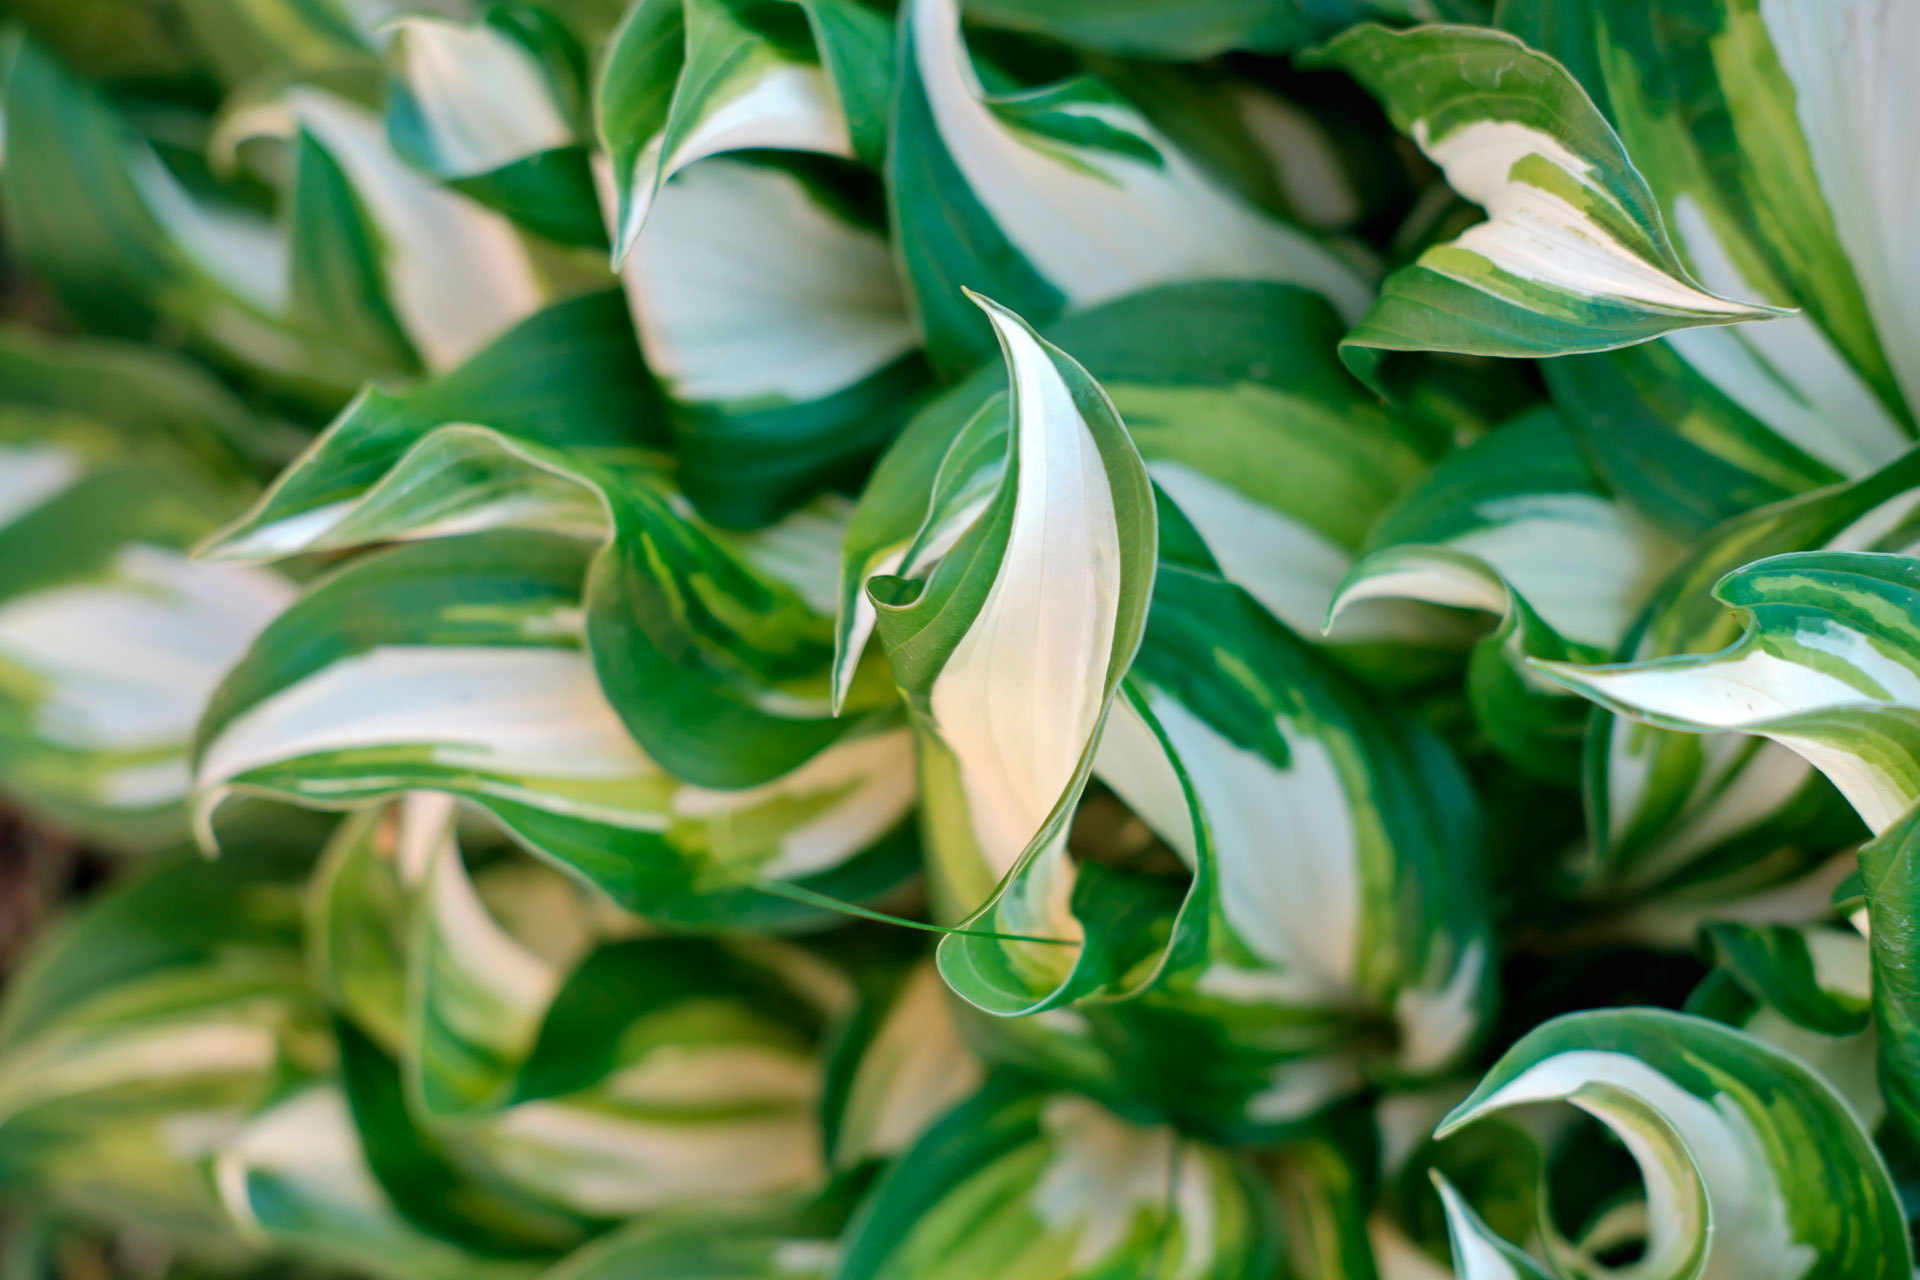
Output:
[[1573, 255], [1753, 1165], [146, 1034], [671, 1073], [463, 672], [768, 305], [1805, 989], [1828, 667], [684, 79], [1317, 825], [111, 639], [1519, 527], [455, 275], [296, 1178], [1061, 197], [490, 108], [1008, 651], [706, 1247], [1736, 126], [903, 1066], [1055, 1185], [1727, 816], [1249, 427]]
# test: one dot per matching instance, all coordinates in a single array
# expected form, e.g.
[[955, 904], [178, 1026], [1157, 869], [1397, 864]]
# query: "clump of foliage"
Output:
[[1182, 639]]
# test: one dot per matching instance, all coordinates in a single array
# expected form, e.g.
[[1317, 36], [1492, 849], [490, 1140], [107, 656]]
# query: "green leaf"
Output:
[[1059, 198], [1753, 1165], [1574, 255]]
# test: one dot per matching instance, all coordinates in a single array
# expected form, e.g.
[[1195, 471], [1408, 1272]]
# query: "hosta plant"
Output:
[[1070, 640]]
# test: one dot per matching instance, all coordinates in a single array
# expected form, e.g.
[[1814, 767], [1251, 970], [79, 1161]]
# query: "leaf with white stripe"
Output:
[[296, 1178], [1249, 427], [457, 666], [1055, 1185], [111, 639], [571, 375], [1318, 826], [707, 1246], [1008, 651], [1806, 989], [456, 275], [147, 1029], [1518, 526], [1573, 256], [1753, 1165], [1669, 809], [671, 1073], [902, 1065], [1828, 666], [685, 79], [1725, 418], [123, 242], [1059, 198], [490, 107], [768, 304]]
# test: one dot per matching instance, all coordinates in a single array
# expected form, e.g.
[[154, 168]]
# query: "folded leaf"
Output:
[[1248, 425], [488, 107], [1752, 1164], [1573, 256], [1670, 809], [1008, 652]]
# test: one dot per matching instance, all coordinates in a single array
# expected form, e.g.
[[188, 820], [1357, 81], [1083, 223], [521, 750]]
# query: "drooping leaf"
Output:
[[1573, 256]]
